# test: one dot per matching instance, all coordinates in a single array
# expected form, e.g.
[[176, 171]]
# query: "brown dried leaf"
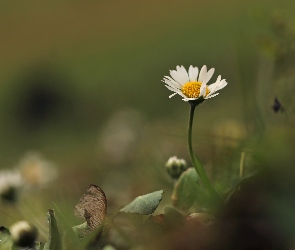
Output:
[[92, 206]]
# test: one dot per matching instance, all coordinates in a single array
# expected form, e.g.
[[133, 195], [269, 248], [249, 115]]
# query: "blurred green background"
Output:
[[81, 84]]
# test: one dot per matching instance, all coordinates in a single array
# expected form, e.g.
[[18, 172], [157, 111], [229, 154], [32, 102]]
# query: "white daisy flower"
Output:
[[191, 85]]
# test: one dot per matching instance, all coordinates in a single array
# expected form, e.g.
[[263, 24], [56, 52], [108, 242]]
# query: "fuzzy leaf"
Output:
[[54, 240], [145, 204], [187, 190]]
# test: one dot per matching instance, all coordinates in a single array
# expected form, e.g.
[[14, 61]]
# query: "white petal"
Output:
[[189, 99], [172, 83], [171, 88], [177, 77], [183, 73], [210, 96], [170, 96], [203, 73], [218, 78], [171, 80], [174, 87], [212, 87], [191, 73], [203, 89], [194, 75], [209, 75], [180, 93], [175, 90], [221, 85], [179, 68]]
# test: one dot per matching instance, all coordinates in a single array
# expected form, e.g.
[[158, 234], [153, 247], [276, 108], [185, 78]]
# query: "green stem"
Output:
[[197, 164]]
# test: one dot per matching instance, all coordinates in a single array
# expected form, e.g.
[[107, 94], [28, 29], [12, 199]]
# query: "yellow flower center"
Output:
[[192, 89]]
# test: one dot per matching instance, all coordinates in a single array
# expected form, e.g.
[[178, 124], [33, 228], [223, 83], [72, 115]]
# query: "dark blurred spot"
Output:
[[260, 213], [39, 103], [41, 98], [277, 106], [9, 195], [3, 229]]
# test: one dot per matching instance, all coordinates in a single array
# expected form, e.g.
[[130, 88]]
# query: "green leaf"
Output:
[[5, 239], [54, 239], [187, 191], [82, 230], [39, 246], [69, 239], [89, 238], [145, 204]]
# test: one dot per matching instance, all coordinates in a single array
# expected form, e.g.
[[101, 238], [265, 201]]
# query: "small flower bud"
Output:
[[175, 167], [23, 234]]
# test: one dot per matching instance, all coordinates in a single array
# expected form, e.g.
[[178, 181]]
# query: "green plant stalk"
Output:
[[196, 163]]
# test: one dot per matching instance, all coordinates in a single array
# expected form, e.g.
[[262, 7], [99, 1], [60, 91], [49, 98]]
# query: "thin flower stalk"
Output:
[[195, 161]]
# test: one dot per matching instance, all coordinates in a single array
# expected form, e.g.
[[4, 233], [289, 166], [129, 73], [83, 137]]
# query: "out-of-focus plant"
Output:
[[10, 183], [32, 172], [36, 171], [23, 234]]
